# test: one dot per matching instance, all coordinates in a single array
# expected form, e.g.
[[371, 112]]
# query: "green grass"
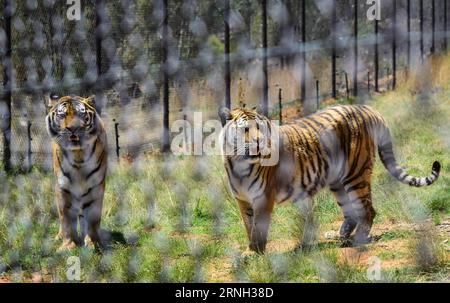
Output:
[[180, 223]]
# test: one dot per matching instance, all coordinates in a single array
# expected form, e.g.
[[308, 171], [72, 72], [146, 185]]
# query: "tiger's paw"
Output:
[[248, 253], [58, 236], [89, 243], [356, 242], [258, 248], [346, 243], [67, 245], [361, 241]]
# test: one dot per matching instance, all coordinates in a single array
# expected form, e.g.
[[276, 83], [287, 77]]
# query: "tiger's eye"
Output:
[[61, 111], [80, 109]]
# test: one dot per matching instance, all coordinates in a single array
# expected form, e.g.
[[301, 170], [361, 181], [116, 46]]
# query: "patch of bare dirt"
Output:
[[282, 246], [399, 255], [392, 243], [219, 270], [392, 246]]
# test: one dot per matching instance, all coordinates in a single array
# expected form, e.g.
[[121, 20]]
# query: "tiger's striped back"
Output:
[[338, 144]]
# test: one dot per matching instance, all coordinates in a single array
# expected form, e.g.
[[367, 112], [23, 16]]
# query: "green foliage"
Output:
[[217, 45]]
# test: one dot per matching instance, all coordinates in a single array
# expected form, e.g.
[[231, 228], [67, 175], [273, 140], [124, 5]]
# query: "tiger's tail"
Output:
[[386, 153]]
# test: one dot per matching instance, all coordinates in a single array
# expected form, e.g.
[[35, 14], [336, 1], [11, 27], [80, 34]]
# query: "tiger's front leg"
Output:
[[308, 224], [91, 222], [257, 217], [247, 216], [68, 221]]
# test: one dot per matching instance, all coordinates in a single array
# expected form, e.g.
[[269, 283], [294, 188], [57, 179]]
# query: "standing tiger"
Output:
[[332, 148], [80, 162]]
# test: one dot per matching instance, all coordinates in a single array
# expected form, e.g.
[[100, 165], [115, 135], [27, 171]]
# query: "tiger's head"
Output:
[[72, 122], [247, 134]]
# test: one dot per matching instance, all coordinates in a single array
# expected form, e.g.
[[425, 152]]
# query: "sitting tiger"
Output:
[[80, 162], [332, 148]]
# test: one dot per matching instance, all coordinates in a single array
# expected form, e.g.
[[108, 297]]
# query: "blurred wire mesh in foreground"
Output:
[[150, 63]]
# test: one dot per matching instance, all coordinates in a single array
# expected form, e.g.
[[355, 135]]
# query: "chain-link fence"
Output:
[[150, 63], [117, 50]]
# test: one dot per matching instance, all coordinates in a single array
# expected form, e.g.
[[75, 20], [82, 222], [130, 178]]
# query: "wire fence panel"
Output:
[[115, 51], [150, 64]]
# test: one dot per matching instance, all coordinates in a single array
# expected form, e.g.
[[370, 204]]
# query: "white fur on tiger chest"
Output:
[[245, 185]]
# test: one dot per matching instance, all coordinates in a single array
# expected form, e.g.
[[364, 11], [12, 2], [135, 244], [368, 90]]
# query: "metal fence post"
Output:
[[347, 90], [421, 32], [333, 52], [265, 100], [394, 45], [355, 46], [185, 133], [376, 62], [227, 55], [433, 26], [29, 145], [5, 114], [303, 54], [98, 37], [317, 95], [388, 72], [445, 25], [408, 25], [280, 105], [116, 129], [165, 66]]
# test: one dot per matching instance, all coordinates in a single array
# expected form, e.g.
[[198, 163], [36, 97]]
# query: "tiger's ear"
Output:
[[90, 100], [52, 99], [224, 115], [258, 109]]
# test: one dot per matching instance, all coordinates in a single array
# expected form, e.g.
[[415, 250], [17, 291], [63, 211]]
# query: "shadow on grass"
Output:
[[339, 243], [329, 244], [111, 238]]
